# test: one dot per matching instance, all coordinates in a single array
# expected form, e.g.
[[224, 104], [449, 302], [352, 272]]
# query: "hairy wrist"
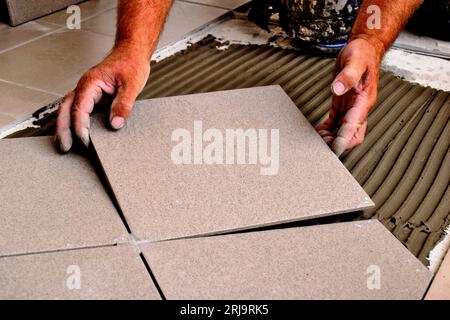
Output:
[[377, 44]]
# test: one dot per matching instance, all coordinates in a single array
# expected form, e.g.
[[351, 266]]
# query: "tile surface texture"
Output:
[[440, 287], [55, 62], [104, 273], [163, 200], [51, 202], [332, 261], [24, 10]]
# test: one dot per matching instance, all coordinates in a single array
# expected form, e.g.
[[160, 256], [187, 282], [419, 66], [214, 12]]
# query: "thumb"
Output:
[[121, 107], [348, 78]]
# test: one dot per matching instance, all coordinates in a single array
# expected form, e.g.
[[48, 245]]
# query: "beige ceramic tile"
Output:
[[88, 9], [164, 200], [440, 287], [18, 102], [355, 260], [55, 62], [52, 202], [99, 273], [14, 36]]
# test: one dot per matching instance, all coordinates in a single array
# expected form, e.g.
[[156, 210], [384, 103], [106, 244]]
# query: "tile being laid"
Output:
[[168, 185], [351, 260], [52, 202], [440, 287], [96, 273]]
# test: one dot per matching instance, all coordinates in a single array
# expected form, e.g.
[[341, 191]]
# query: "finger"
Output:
[[121, 106], [348, 77], [63, 134], [87, 95], [335, 116], [352, 130]]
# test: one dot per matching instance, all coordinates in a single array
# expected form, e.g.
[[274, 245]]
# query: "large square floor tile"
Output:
[[18, 102], [355, 260], [55, 62], [52, 202], [97, 273], [167, 191]]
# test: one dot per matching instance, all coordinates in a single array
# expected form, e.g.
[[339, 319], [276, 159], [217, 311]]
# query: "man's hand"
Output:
[[355, 91], [121, 76], [357, 70]]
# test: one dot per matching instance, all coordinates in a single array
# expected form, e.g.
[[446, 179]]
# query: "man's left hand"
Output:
[[355, 89]]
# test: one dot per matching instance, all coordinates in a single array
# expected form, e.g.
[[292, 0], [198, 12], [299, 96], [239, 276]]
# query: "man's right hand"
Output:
[[121, 76]]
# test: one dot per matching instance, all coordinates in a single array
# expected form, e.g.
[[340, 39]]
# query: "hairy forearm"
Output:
[[393, 17], [140, 23]]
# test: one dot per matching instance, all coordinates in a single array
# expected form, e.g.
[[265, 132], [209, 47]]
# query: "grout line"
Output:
[[147, 266], [58, 95], [60, 250], [32, 40], [98, 167]]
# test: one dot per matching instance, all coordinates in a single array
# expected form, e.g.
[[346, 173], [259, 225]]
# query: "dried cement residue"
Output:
[[426, 71], [438, 253]]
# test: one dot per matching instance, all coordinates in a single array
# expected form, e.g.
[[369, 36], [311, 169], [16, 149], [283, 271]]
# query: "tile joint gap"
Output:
[[152, 276]]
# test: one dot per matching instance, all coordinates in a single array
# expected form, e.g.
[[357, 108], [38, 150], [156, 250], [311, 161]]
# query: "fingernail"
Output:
[[84, 137], [338, 88], [117, 123], [338, 146], [64, 145]]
